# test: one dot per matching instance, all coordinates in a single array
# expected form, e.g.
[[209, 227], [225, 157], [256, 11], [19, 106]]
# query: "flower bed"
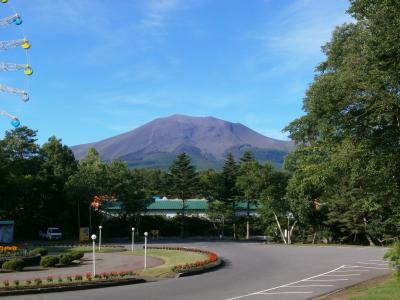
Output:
[[211, 260], [57, 281]]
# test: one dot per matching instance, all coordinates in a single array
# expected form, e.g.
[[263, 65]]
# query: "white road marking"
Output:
[[370, 263], [374, 268], [351, 271], [309, 285], [285, 285], [282, 293], [342, 275], [337, 279], [350, 268]]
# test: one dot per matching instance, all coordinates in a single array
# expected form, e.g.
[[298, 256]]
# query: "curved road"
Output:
[[253, 272]]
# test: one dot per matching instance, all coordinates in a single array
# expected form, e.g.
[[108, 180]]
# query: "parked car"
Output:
[[51, 233]]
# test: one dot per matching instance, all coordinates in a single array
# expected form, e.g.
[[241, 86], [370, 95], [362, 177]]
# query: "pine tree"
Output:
[[229, 191], [184, 181]]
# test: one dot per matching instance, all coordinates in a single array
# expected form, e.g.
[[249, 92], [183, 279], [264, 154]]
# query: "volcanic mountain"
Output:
[[206, 139]]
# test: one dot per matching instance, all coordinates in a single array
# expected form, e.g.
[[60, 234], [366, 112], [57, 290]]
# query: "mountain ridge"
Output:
[[206, 139]]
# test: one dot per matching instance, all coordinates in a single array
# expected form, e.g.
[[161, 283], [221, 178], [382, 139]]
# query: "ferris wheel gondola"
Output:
[[14, 19]]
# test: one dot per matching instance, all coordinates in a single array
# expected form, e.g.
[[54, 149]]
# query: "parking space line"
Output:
[[374, 268], [281, 286], [336, 279], [283, 293], [342, 275], [371, 263], [309, 285], [327, 277], [351, 271]]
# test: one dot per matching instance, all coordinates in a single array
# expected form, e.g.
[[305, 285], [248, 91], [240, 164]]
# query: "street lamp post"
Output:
[[145, 250], [133, 237], [100, 227], [289, 216], [94, 256]]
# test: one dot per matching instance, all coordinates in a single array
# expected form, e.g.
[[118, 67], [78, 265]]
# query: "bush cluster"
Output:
[[393, 255], [49, 261], [15, 264], [64, 259]]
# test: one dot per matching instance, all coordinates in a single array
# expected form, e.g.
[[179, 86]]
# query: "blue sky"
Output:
[[106, 67]]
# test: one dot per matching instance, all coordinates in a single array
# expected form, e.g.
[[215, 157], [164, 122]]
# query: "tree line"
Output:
[[44, 185]]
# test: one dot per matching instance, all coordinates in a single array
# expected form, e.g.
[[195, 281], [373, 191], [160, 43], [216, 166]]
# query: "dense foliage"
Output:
[[346, 170]]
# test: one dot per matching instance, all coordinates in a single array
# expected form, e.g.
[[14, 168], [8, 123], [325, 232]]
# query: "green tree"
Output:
[[184, 182], [229, 192], [58, 165], [247, 183], [351, 129], [90, 180]]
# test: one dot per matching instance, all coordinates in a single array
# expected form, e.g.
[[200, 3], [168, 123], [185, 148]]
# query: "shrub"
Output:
[[69, 278], [28, 282], [38, 281], [49, 278], [16, 282], [393, 255], [15, 264], [6, 283], [76, 255], [66, 259], [59, 279], [49, 261], [41, 251]]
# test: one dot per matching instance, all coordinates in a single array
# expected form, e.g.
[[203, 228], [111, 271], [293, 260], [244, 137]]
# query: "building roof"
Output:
[[176, 204], [6, 222]]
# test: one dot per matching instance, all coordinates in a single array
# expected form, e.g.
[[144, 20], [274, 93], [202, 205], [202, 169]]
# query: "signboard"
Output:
[[84, 234], [6, 232]]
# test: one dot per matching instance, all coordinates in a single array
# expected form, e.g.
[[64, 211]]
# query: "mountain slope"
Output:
[[206, 139]]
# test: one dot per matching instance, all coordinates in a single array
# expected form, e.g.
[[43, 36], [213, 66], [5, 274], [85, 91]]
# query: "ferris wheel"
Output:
[[23, 42]]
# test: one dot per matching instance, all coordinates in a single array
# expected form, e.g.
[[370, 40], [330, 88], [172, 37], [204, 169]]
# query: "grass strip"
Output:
[[381, 288], [171, 258]]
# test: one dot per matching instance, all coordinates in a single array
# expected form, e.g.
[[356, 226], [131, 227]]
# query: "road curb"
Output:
[[206, 269], [66, 288]]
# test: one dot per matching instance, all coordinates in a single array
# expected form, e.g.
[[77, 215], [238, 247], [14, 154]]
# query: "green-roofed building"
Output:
[[172, 207]]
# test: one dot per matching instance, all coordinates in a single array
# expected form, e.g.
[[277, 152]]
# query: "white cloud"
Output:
[[157, 13], [293, 38]]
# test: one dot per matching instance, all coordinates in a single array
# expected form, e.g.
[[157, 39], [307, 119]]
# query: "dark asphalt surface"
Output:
[[254, 271]]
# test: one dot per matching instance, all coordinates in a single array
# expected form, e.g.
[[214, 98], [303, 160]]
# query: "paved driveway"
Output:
[[253, 272]]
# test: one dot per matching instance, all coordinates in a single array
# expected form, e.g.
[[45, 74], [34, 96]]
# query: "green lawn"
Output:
[[389, 290], [171, 258]]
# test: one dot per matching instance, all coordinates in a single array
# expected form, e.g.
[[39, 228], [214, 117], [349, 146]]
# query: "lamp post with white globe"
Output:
[[133, 237], [145, 250], [94, 256], [100, 227]]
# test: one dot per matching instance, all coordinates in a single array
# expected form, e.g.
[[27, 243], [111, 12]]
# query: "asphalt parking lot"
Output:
[[255, 271]]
